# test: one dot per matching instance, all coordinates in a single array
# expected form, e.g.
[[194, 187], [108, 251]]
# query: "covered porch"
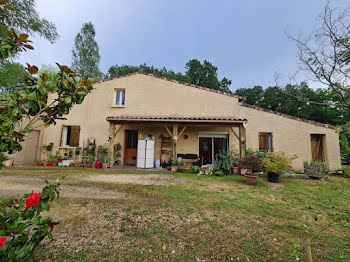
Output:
[[175, 135]]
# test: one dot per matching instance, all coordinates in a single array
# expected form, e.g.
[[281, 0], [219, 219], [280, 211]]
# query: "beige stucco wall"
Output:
[[147, 95]]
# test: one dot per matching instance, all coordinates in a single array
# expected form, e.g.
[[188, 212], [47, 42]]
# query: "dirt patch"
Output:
[[149, 179]]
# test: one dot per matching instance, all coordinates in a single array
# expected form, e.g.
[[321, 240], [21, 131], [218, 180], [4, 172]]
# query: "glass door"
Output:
[[210, 144]]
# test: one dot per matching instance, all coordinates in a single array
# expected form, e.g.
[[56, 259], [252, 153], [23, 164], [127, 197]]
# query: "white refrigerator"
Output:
[[145, 153]]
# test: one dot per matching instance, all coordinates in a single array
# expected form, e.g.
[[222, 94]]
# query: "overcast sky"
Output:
[[245, 39]]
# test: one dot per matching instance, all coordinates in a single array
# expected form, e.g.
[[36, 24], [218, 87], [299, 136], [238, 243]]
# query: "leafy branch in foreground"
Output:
[[22, 228]]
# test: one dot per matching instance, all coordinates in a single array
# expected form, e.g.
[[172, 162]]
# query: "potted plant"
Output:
[[316, 169], [88, 160], [252, 163], [50, 160], [36, 162], [103, 160], [224, 161], [175, 164], [196, 169], [186, 167], [48, 147], [276, 164]]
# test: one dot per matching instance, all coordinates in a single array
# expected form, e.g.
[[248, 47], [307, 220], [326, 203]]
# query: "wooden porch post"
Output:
[[242, 140], [175, 130], [111, 144]]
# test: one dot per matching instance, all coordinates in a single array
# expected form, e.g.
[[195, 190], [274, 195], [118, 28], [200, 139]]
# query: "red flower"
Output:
[[32, 200], [2, 241]]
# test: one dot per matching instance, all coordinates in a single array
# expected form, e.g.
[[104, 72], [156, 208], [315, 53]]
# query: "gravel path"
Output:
[[18, 185]]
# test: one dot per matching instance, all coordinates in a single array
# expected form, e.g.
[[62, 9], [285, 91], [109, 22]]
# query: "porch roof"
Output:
[[169, 118]]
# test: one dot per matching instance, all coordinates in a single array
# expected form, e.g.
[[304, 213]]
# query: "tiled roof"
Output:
[[174, 81], [287, 116], [177, 118]]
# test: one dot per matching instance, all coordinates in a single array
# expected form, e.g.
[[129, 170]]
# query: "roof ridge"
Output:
[[288, 116], [174, 81]]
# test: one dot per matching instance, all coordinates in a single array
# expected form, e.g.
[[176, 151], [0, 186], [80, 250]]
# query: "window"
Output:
[[265, 142], [120, 97], [70, 136]]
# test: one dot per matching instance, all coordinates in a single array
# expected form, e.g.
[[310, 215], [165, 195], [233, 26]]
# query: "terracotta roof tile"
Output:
[[167, 117]]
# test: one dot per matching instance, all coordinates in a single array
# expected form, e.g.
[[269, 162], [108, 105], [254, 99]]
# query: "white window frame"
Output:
[[119, 103]]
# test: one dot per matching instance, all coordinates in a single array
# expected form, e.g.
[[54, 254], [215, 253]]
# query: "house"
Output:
[[183, 119]]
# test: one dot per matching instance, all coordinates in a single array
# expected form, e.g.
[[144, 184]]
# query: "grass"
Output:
[[209, 218]]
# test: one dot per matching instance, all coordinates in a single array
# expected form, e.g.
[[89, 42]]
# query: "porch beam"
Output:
[[182, 130], [167, 129], [111, 144], [234, 132], [118, 130], [242, 140], [175, 131]]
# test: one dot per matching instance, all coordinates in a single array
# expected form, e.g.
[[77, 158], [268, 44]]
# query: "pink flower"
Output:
[[97, 213], [32, 200], [2, 241]]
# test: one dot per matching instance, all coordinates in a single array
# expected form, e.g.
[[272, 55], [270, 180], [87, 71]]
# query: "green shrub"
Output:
[[22, 228], [320, 164], [196, 169], [277, 162]]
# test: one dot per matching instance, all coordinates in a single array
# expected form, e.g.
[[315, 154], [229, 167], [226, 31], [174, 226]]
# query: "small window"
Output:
[[265, 142], [70, 136], [120, 97]]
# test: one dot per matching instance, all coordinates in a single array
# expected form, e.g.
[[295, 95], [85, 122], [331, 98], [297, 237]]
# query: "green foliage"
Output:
[[205, 74], [26, 19], [85, 53], [197, 73], [344, 139], [277, 162], [346, 171], [102, 158], [320, 105], [11, 76], [225, 160], [88, 159], [23, 226], [196, 169], [176, 163], [320, 164]]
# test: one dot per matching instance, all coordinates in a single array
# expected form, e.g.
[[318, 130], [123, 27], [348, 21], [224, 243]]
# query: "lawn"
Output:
[[203, 219]]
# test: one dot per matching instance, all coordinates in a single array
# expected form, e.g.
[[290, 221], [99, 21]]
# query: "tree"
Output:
[[206, 75], [23, 228], [11, 76], [25, 18], [325, 53], [199, 74], [320, 104], [85, 53]]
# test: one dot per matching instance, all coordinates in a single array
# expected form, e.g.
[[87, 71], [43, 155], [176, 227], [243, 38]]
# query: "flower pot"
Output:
[[243, 171], [45, 163], [235, 170], [273, 177], [49, 164], [203, 169], [250, 179], [98, 164], [36, 163], [174, 168], [54, 163], [186, 170], [104, 165]]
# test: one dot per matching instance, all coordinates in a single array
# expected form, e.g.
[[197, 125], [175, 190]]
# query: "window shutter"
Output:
[[62, 135], [74, 136], [262, 141], [272, 143]]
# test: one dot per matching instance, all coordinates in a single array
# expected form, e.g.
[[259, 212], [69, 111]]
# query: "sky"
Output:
[[246, 40]]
